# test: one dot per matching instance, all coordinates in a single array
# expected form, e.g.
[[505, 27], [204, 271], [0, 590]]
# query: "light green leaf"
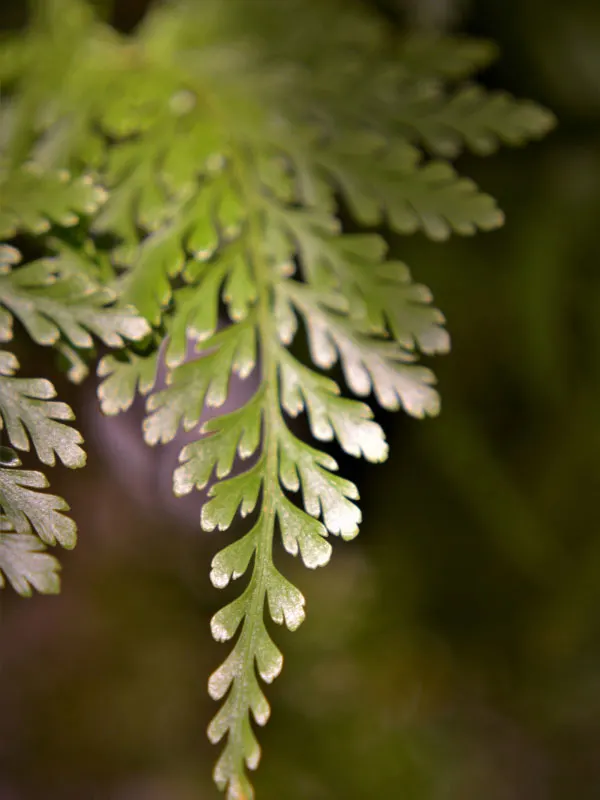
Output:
[[323, 493], [224, 169], [26, 565], [330, 415], [29, 413], [158, 258], [32, 199], [368, 364], [229, 495], [52, 298], [203, 380], [233, 434], [473, 118], [240, 289], [27, 508], [304, 533], [381, 294], [390, 183], [286, 603], [436, 56], [124, 376], [196, 314], [232, 562]]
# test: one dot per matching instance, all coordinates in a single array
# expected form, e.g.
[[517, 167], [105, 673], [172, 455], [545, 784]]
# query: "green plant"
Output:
[[219, 171]]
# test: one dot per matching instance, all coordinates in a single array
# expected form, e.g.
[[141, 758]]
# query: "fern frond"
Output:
[[253, 273], [258, 201], [224, 154]]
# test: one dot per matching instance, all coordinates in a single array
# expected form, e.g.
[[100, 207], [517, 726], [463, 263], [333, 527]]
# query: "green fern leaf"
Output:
[[28, 411], [256, 205], [472, 118], [231, 435], [411, 196], [53, 298], [267, 301], [159, 258], [224, 154], [33, 199], [125, 376], [28, 509], [131, 178], [444, 57], [25, 563]]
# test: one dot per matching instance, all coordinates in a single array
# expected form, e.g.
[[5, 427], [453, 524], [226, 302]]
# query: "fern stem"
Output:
[[272, 420]]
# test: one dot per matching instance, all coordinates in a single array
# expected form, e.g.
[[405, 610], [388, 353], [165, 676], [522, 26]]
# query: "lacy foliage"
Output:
[[217, 173]]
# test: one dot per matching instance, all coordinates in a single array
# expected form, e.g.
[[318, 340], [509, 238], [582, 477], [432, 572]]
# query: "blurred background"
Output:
[[452, 652]]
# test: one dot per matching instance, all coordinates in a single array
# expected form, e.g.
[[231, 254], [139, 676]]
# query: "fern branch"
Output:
[[241, 746], [223, 161]]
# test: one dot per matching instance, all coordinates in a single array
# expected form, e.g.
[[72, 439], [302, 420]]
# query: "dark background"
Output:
[[452, 652]]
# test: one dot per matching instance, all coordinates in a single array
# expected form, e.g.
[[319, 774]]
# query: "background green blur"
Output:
[[452, 652]]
